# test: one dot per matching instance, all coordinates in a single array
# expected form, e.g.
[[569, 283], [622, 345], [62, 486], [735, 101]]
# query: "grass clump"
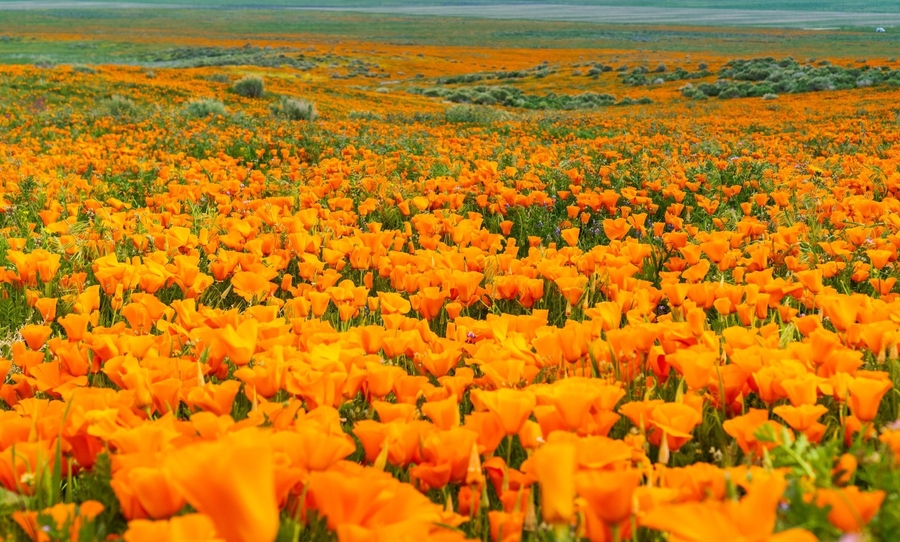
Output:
[[293, 109], [204, 107], [251, 86]]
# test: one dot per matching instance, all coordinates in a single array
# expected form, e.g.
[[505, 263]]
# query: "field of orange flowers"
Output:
[[406, 320]]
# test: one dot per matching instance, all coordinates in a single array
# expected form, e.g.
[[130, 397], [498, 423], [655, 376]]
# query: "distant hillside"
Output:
[[851, 6]]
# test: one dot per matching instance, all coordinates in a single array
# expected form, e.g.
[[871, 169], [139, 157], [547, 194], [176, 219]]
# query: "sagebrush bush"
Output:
[[731, 92], [484, 98], [251, 86], [44, 62], [118, 107], [472, 114], [364, 115], [509, 96], [292, 109], [205, 107]]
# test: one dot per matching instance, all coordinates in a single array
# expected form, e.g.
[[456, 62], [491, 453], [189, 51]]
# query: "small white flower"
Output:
[[27, 479]]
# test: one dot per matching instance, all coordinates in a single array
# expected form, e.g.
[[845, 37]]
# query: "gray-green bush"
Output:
[[292, 109], [118, 107], [251, 86], [205, 107], [473, 114]]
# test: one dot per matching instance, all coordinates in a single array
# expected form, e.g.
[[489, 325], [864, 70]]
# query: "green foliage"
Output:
[[248, 55], [94, 486], [470, 114], [539, 71], [204, 108], [765, 76], [119, 108], [293, 109], [641, 75], [81, 68], [514, 97], [220, 78], [251, 86]]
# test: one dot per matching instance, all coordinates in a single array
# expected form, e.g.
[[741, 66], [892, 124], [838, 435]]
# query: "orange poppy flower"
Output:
[[865, 397], [46, 306], [572, 288], [240, 497], [554, 466], [35, 335], [444, 414], [851, 509], [800, 418], [489, 427], [506, 526], [570, 236], [674, 421], [187, 528], [150, 492], [616, 229], [609, 494], [61, 518], [753, 518], [512, 407]]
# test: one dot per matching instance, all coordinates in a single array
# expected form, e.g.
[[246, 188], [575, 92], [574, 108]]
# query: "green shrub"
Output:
[[472, 114], [118, 107], [459, 96], [291, 109], [364, 115], [708, 89], [731, 92], [44, 62], [485, 98], [759, 90], [819, 84], [205, 107], [250, 86]]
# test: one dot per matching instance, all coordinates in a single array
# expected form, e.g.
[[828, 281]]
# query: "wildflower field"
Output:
[[268, 287]]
